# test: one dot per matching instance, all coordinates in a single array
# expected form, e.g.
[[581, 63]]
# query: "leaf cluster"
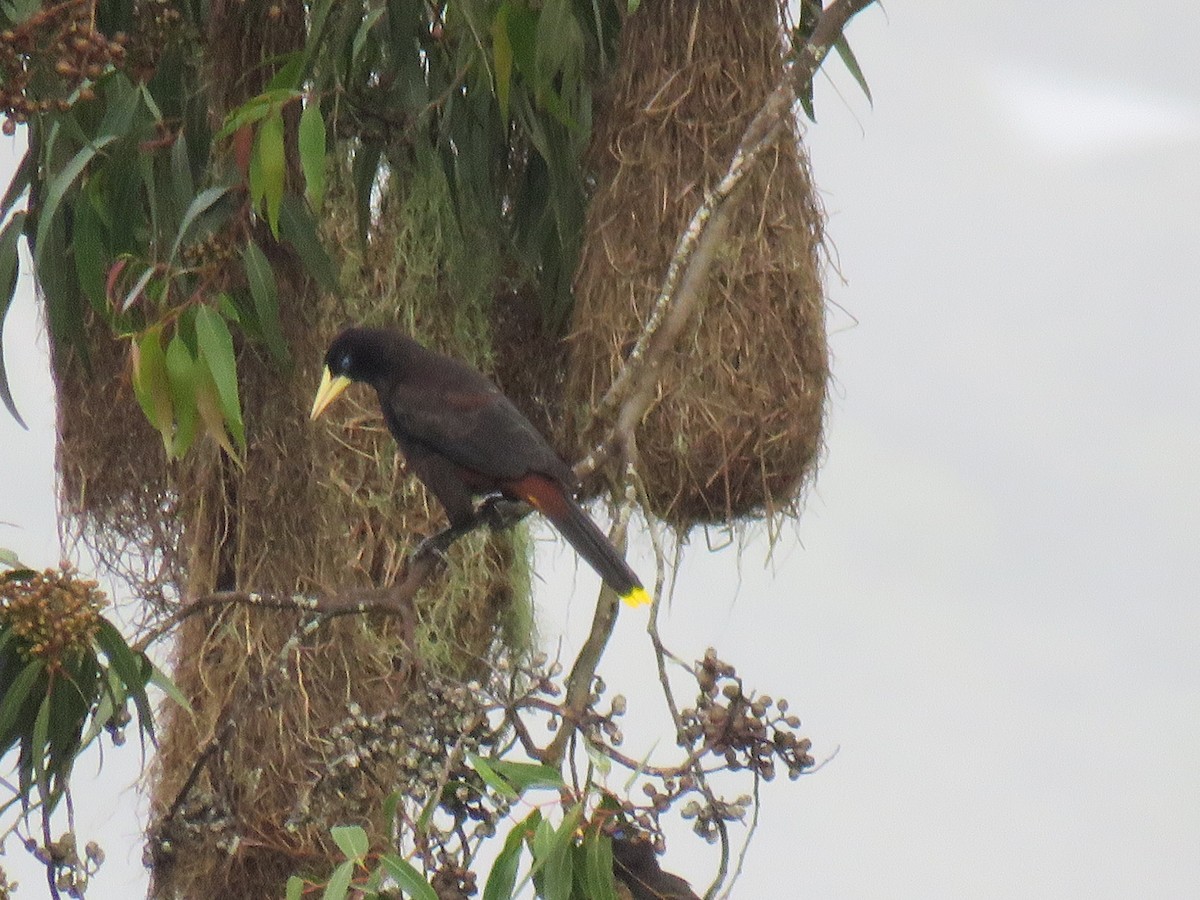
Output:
[[138, 221]]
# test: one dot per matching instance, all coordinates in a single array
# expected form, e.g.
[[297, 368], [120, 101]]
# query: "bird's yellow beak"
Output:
[[329, 390]]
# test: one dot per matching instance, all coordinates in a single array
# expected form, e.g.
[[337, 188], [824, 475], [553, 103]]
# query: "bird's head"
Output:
[[357, 354]]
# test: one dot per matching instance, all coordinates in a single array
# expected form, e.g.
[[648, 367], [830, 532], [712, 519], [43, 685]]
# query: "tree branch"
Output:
[[395, 599]]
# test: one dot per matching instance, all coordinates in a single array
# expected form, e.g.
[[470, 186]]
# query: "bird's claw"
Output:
[[500, 513]]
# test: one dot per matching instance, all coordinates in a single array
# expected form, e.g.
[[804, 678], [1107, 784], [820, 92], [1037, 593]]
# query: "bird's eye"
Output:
[[344, 363]]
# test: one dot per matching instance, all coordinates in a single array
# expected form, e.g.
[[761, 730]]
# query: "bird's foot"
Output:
[[437, 545], [500, 513]]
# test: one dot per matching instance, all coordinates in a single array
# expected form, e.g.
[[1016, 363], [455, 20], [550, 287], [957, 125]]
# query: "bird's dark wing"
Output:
[[473, 425]]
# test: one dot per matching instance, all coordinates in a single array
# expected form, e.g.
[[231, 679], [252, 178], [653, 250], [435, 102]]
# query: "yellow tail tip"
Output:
[[636, 597]]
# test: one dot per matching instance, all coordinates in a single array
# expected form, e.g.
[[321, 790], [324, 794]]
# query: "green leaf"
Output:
[[410, 880], [89, 241], [502, 57], [522, 36], [602, 763], [164, 683], [558, 873], [57, 190], [151, 384], [111, 697], [271, 165], [297, 227], [390, 804], [182, 378], [295, 888], [843, 48], [261, 279], [491, 777], [9, 558], [20, 182], [41, 737], [312, 153], [503, 877], [9, 267], [364, 31], [201, 203], [554, 857], [255, 109], [339, 882], [288, 76], [216, 353], [182, 184], [129, 669], [15, 696], [599, 866], [524, 776], [352, 840]]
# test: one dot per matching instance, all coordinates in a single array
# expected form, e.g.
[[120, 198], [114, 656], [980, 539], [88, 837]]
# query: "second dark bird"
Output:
[[464, 439]]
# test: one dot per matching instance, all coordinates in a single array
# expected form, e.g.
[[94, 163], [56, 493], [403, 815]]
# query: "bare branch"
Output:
[[395, 599]]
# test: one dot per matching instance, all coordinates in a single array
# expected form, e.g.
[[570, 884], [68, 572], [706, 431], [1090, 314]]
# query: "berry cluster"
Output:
[[51, 58], [52, 614], [749, 732], [71, 873]]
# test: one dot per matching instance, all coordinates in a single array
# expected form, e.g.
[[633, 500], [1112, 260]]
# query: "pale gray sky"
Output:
[[991, 610]]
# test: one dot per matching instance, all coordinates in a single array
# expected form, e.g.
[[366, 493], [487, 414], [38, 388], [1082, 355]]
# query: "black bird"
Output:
[[465, 440]]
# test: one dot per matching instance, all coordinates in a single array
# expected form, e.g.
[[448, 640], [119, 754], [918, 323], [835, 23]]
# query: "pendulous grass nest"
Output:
[[736, 427]]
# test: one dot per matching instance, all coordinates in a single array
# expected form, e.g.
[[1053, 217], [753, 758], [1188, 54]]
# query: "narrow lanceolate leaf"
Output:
[[502, 57], [556, 859], [89, 239], [351, 840], [41, 736], [20, 182], [15, 695], [298, 228], [338, 886], [411, 881], [9, 267], [524, 776], [209, 408], [255, 109], [164, 683], [271, 166], [261, 279], [59, 185], [599, 866], [503, 877], [129, 668], [200, 204], [151, 383], [843, 48], [312, 153], [216, 353], [183, 187], [491, 777], [183, 382], [295, 888]]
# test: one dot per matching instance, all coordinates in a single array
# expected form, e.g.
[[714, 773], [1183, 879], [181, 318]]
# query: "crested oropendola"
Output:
[[464, 439]]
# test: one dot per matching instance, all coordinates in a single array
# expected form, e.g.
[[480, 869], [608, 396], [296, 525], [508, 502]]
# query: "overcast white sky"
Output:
[[992, 608]]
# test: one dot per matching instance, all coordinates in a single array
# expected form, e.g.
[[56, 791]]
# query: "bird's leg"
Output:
[[499, 512], [438, 544]]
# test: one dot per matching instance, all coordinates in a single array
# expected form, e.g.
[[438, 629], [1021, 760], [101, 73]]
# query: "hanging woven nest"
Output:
[[736, 427]]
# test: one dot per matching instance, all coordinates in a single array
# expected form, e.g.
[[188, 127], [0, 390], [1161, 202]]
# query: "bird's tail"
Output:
[[553, 501]]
